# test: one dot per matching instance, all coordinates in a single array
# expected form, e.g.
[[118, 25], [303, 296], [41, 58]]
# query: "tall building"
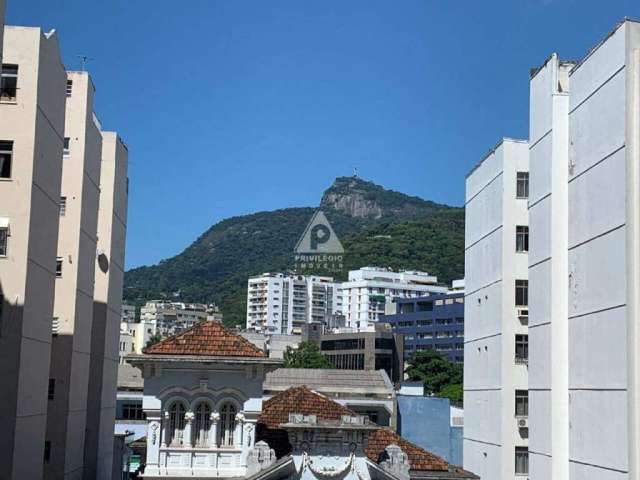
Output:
[[435, 323], [584, 265], [99, 456], [495, 312], [32, 110], [369, 289], [283, 303], [75, 269]]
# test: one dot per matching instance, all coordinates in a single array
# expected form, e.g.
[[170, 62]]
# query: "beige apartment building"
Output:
[[75, 268], [100, 461], [32, 111]]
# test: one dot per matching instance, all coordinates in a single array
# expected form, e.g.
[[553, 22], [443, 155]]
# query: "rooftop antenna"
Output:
[[83, 62]]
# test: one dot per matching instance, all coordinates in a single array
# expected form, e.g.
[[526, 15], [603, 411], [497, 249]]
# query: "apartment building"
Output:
[[32, 112], [169, 318], [495, 441], [584, 205], [369, 289], [75, 270], [101, 461], [435, 323], [282, 303], [128, 313]]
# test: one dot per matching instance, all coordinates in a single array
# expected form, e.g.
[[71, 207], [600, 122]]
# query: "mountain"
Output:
[[376, 227]]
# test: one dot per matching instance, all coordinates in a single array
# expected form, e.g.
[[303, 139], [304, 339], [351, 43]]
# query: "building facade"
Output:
[[32, 112], [435, 323], [377, 349], [585, 185], [99, 454], [202, 397], [370, 289], [496, 313], [282, 303], [169, 318], [75, 270]]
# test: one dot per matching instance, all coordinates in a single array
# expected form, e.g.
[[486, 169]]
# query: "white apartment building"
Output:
[[169, 318], [140, 333], [128, 313], [281, 303], [496, 285], [369, 289], [584, 263], [32, 108], [75, 270]]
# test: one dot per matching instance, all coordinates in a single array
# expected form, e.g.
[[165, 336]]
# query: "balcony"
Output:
[[199, 462]]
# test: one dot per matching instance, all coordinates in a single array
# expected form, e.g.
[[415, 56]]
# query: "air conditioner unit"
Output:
[[523, 313], [523, 422]]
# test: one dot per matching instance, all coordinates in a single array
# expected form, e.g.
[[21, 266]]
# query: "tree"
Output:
[[307, 355], [453, 392], [155, 338], [436, 371]]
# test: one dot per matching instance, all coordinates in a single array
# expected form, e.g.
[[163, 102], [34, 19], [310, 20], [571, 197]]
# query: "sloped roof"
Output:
[[276, 410], [419, 458], [207, 338]]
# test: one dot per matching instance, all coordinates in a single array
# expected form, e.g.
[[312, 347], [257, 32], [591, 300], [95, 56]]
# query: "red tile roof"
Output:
[[206, 338], [419, 459], [276, 410]]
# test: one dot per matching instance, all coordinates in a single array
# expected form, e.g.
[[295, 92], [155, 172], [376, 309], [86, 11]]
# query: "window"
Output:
[[522, 403], [522, 348], [63, 206], [132, 411], [4, 234], [227, 425], [65, 146], [47, 451], [69, 87], [522, 293], [176, 424], [202, 425], [9, 83], [522, 461], [59, 267], [6, 156], [425, 306], [52, 388], [522, 238], [522, 185]]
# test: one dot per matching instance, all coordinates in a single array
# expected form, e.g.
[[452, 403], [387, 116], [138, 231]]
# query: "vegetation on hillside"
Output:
[[416, 234]]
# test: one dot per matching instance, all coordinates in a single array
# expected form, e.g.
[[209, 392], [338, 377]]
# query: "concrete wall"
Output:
[[109, 277], [425, 421], [35, 123], [491, 267], [71, 348]]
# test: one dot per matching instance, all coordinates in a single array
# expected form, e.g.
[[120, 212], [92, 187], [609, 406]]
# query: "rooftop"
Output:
[[276, 410], [206, 338], [330, 381], [129, 377]]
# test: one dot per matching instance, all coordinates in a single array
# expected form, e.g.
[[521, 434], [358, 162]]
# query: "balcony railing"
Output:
[[521, 360]]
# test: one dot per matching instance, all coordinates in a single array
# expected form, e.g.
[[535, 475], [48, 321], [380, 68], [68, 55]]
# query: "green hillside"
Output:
[[376, 227]]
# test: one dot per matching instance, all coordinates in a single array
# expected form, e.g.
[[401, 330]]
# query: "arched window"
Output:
[[227, 424], [202, 425], [175, 435]]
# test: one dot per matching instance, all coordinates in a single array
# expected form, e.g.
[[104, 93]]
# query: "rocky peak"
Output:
[[358, 198]]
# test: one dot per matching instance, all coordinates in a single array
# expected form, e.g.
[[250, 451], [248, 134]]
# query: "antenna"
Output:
[[83, 61], [355, 172]]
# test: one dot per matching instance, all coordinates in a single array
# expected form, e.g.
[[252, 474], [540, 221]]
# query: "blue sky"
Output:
[[233, 106]]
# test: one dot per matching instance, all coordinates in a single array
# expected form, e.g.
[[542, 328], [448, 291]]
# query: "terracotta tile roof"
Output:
[[276, 410], [206, 338], [418, 458]]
